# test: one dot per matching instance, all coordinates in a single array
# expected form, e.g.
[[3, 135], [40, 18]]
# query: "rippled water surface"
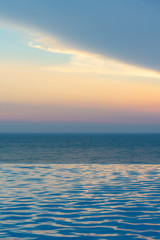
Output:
[[67, 201]]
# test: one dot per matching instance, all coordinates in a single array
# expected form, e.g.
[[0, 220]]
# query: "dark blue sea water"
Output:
[[80, 148], [79, 186]]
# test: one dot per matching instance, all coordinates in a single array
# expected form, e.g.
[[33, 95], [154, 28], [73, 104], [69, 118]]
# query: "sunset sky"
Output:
[[79, 66]]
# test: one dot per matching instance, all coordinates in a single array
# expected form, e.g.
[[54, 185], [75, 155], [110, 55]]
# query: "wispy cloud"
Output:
[[88, 63], [124, 30]]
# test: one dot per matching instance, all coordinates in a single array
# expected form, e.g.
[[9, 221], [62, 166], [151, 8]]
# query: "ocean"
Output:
[[80, 186], [80, 148]]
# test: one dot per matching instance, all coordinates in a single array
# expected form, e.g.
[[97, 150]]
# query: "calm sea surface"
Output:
[[80, 186], [80, 148]]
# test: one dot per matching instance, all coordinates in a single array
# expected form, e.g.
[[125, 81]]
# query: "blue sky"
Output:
[[14, 46]]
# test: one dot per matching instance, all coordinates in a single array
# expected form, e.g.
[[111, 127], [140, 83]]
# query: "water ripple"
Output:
[[97, 202]]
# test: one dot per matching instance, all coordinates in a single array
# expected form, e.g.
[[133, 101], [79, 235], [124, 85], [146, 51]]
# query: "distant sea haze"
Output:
[[80, 148]]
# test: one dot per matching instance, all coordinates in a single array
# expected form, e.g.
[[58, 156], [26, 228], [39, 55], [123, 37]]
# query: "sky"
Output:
[[79, 66]]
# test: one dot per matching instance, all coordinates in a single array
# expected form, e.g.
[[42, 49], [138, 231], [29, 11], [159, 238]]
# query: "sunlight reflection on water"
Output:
[[93, 201]]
